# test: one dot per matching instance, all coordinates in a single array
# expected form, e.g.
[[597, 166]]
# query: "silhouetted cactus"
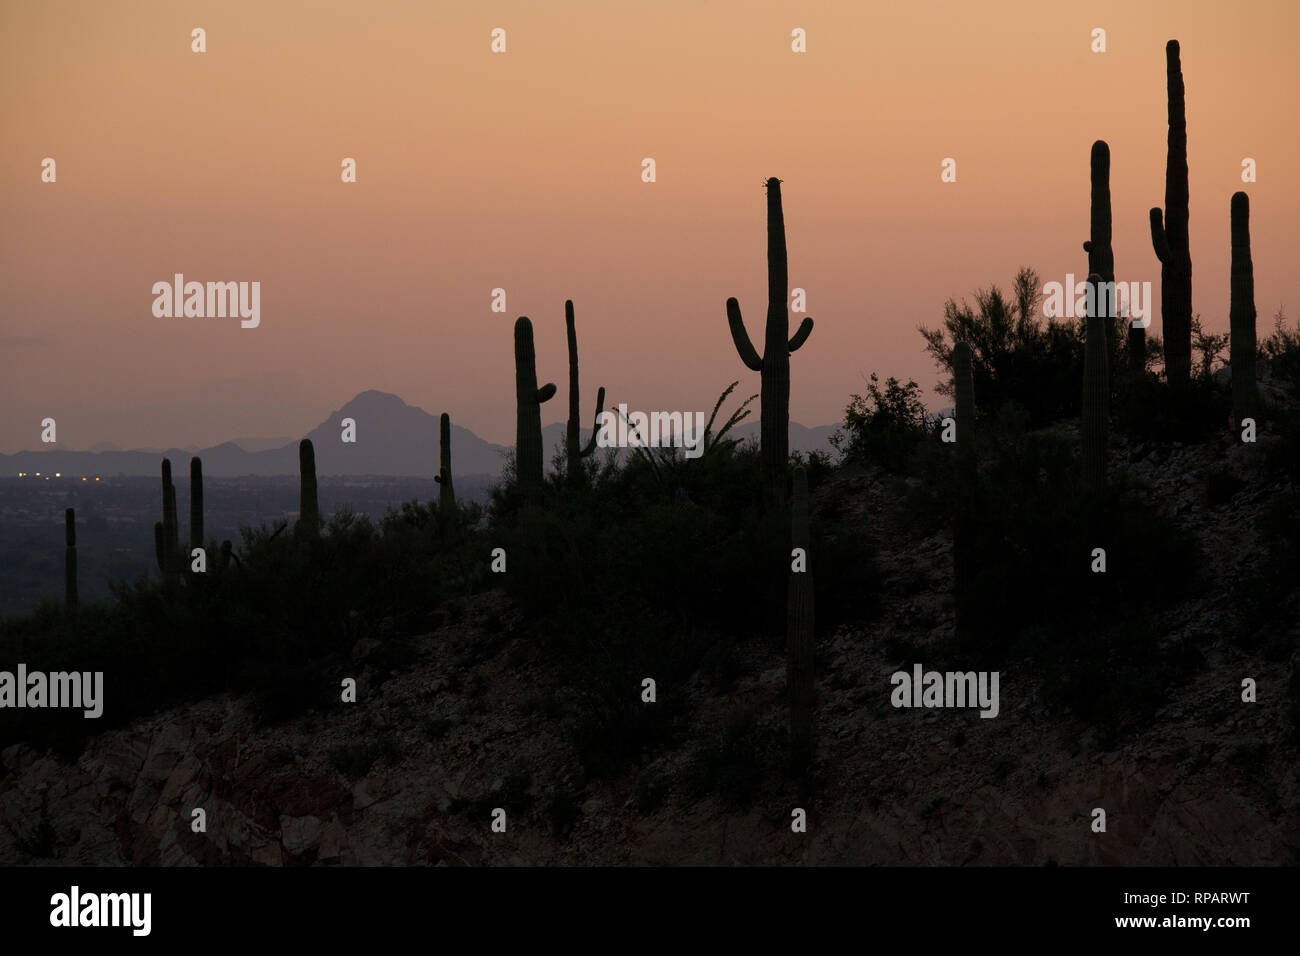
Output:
[[196, 503], [574, 452], [774, 364], [308, 507], [1096, 392], [70, 557], [967, 478], [1241, 312], [446, 493], [1169, 238], [529, 399], [223, 558], [160, 547], [1101, 256], [963, 385], [800, 620], [171, 528]]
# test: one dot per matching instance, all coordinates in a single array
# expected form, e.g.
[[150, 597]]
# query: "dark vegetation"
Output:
[[677, 569], [662, 567]]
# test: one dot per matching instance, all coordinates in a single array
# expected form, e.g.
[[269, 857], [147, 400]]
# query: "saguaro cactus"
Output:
[[964, 507], [223, 557], [799, 631], [1241, 314], [70, 557], [774, 364], [1169, 238], [574, 452], [308, 507], [160, 547], [171, 529], [446, 493], [963, 384], [529, 398], [196, 503], [1101, 256], [1096, 392]]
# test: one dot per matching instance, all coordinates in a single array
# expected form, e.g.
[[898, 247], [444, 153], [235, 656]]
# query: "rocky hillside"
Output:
[[472, 717]]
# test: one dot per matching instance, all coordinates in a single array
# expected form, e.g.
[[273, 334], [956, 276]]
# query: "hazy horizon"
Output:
[[522, 170]]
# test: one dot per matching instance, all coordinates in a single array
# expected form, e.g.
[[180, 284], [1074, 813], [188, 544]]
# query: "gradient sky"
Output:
[[523, 171]]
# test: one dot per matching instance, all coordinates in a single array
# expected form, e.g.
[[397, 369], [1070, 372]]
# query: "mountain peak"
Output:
[[373, 398]]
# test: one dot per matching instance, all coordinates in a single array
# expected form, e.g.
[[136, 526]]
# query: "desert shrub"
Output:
[[885, 426]]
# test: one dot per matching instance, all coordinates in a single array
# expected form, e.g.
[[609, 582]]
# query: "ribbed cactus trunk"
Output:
[[963, 550], [799, 632], [70, 557], [160, 547], [1170, 238], [1096, 393], [528, 419], [774, 364], [446, 493], [223, 559], [308, 505], [196, 503], [574, 452], [1241, 314], [1101, 255], [171, 528], [963, 386]]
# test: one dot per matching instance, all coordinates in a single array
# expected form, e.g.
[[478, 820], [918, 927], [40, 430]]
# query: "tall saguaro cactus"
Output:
[[1101, 256], [1169, 237], [574, 452], [196, 503], [529, 399], [1096, 391], [171, 530], [446, 493], [963, 386], [964, 504], [1241, 314], [800, 621], [70, 557], [774, 364], [308, 506]]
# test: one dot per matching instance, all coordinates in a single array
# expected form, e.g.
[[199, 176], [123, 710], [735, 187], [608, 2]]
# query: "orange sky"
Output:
[[523, 170]]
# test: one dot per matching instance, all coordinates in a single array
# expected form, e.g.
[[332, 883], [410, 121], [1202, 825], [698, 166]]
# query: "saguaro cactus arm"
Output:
[[546, 392], [745, 348], [595, 425], [801, 336], [1159, 240]]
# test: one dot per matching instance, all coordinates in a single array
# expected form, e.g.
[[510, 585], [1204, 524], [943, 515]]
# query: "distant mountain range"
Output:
[[393, 438]]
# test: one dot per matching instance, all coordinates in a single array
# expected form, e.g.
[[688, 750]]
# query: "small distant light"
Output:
[[38, 474], [83, 479], [58, 474], [97, 478]]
